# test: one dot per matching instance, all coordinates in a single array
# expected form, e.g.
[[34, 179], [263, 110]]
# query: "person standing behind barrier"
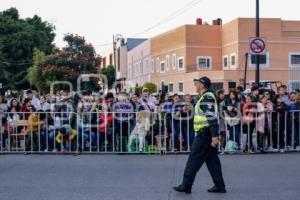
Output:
[[32, 95], [222, 107], [44, 105], [232, 119], [187, 122], [147, 101], [282, 91], [27, 108], [264, 123], [3, 109], [176, 120], [255, 94], [122, 110], [205, 146], [32, 132], [105, 123], [280, 116], [248, 122], [295, 108], [167, 107], [241, 96], [136, 107]]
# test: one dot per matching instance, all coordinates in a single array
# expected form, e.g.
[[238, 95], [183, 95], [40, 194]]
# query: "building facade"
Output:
[[219, 52], [139, 65]]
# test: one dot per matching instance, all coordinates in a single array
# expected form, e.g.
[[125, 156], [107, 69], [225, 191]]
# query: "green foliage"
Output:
[[18, 39], [68, 64], [151, 87], [109, 72], [136, 90], [34, 73]]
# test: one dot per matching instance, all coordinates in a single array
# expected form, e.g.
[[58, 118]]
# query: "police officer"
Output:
[[205, 145]]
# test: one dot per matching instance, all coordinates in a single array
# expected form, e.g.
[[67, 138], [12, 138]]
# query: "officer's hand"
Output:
[[214, 141]]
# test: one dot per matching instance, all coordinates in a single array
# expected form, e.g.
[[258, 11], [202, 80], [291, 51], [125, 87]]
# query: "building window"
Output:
[[171, 88], [146, 66], [233, 59], [174, 61], [204, 62], [263, 60], [162, 67], [167, 63], [225, 62], [294, 59], [180, 87], [157, 64], [181, 63], [294, 85], [152, 65]]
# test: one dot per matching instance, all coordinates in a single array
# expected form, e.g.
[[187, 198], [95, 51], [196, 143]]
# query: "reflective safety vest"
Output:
[[200, 120]]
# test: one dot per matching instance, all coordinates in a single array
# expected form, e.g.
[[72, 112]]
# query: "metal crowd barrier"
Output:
[[140, 132], [268, 132]]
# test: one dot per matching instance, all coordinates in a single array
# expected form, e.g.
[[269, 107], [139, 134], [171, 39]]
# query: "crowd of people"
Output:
[[260, 121]]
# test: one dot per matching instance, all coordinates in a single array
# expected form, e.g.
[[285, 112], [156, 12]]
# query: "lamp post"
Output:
[[116, 38]]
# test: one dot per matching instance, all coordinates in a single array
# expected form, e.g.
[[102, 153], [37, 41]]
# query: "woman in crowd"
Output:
[[27, 108], [295, 111], [177, 108], [264, 123], [232, 118], [187, 128], [222, 107], [279, 118], [248, 122]]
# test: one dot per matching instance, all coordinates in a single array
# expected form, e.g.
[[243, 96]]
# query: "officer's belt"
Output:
[[204, 130]]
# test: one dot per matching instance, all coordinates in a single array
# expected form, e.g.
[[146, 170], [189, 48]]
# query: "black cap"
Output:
[[204, 80]]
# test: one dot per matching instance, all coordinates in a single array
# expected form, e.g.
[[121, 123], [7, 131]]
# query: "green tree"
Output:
[[151, 87], [34, 73], [18, 39], [109, 72], [78, 57]]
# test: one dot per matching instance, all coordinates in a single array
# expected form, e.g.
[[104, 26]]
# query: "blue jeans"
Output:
[[188, 133], [176, 134], [88, 136]]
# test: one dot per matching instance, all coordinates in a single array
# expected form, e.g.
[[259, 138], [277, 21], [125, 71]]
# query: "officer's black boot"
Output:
[[183, 188], [216, 189]]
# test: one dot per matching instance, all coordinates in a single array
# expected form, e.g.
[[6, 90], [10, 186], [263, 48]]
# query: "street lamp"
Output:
[[116, 38]]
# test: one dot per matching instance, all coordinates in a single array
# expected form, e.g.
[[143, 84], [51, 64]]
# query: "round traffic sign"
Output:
[[257, 45]]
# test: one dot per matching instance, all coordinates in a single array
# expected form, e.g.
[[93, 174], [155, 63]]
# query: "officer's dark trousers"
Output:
[[201, 152]]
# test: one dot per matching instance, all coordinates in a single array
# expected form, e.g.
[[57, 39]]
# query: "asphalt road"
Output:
[[142, 177]]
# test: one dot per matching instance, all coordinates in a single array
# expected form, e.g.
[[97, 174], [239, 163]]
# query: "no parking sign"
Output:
[[257, 46]]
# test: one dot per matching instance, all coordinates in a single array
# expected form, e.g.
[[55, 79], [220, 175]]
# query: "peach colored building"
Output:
[[218, 51]]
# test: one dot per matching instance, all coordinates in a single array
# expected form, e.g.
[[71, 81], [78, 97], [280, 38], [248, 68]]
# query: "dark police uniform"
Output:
[[205, 126]]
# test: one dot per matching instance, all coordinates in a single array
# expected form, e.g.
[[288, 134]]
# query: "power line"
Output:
[[163, 21], [171, 17]]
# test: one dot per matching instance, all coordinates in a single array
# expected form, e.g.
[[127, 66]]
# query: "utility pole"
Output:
[[246, 68], [257, 78]]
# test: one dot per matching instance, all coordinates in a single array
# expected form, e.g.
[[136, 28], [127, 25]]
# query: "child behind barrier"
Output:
[[66, 138], [140, 130]]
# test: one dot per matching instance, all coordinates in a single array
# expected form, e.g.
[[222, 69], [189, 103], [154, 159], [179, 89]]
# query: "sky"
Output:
[[98, 20]]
